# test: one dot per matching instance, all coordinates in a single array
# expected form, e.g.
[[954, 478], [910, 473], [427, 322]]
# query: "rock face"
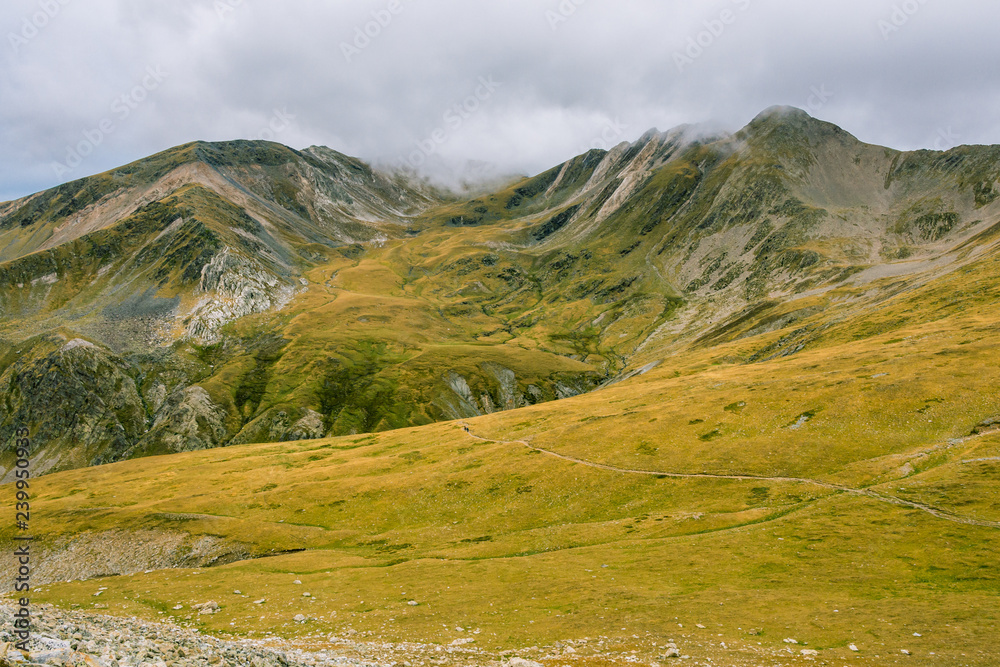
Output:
[[234, 287], [84, 405], [79, 399], [279, 425], [495, 388], [186, 421]]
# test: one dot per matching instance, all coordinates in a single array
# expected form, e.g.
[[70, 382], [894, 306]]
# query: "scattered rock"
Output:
[[55, 644], [809, 651], [790, 641], [56, 657], [413, 603], [64, 638], [853, 648], [210, 607], [521, 662]]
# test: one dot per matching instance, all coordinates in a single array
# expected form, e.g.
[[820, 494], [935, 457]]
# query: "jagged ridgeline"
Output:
[[222, 293]]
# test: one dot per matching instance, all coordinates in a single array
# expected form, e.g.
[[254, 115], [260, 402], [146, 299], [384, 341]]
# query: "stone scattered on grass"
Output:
[[210, 607], [521, 662], [70, 638]]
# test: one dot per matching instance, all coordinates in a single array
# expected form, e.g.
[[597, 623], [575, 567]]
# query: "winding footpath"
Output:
[[941, 514]]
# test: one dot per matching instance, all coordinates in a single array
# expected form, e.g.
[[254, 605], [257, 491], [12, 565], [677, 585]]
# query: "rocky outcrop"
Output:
[[496, 388], [84, 405], [282, 425], [79, 400], [234, 287], [188, 421]]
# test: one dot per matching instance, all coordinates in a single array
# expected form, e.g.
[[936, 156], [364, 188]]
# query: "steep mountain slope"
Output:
[[776, 350], [787, 206], [256, 294], [843, 496], [236, 222], [158, 269], [713, 238]]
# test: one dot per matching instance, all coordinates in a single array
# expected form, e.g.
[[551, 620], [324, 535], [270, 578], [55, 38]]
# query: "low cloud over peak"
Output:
[[517, 86]]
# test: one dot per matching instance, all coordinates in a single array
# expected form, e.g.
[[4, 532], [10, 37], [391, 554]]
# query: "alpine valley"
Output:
[[732, 397]]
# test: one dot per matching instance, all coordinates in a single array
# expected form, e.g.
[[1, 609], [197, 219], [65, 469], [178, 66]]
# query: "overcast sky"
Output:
[[520, 85]]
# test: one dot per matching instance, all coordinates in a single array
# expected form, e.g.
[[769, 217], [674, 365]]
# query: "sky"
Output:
[[475, 88]]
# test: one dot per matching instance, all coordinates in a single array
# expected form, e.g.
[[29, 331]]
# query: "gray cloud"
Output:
[[76, 77]]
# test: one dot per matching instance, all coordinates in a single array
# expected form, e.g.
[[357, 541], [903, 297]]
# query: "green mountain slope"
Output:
[[775, 350], [843, 495], [251, 293]]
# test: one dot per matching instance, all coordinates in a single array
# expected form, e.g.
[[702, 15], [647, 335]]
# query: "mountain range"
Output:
[[745, 381], [247, 292]]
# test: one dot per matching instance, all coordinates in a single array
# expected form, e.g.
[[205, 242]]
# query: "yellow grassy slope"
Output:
[[837, 496]]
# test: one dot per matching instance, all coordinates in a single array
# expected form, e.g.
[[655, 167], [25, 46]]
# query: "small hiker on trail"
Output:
[[465, 427]]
